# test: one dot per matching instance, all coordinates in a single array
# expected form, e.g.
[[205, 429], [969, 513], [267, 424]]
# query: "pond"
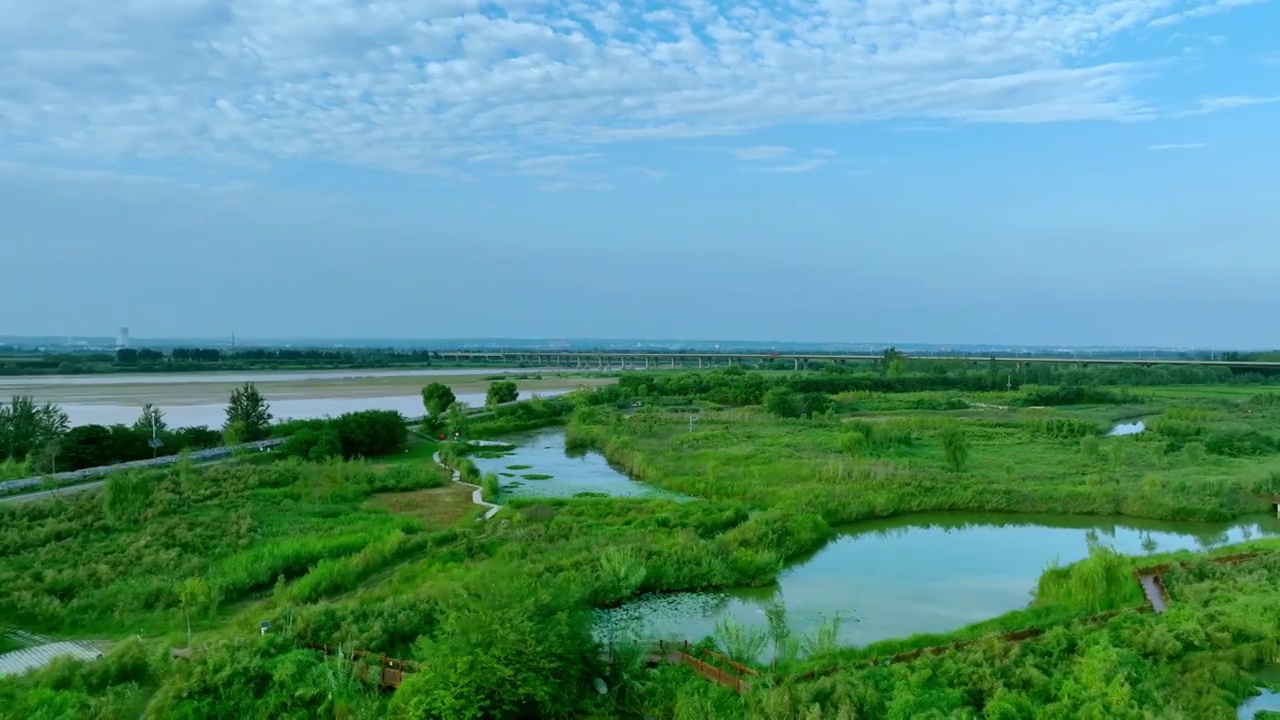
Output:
[[1266, 699], [557, 473], [920, 574], [1128, 427]]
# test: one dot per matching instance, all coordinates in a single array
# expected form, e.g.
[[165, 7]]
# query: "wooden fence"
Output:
[[391, 671]]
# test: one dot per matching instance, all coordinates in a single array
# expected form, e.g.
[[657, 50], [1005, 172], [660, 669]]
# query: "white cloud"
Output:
[[551, 164], [1232, 102], [761, 153], [1177, 146], [647, 173], [563, 185], [798, 167], [454, 86], [1204, 8]]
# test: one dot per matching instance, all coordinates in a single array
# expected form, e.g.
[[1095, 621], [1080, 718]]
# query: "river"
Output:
[[21, 382], [885, 578], [201, 398]]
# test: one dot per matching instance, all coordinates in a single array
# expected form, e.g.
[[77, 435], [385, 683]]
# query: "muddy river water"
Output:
[[201, 398]]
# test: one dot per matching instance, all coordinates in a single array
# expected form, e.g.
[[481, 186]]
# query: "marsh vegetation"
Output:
[[749, 473]]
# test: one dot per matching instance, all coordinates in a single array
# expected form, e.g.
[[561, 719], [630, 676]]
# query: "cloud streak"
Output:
[[761, 153], [1234, 101], [459, 86], [1166, 147]]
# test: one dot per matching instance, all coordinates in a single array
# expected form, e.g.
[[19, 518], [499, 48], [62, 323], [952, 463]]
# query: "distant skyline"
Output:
[[1075, 173], [549, 344]]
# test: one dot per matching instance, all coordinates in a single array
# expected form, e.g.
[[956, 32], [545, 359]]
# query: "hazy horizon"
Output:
[[483, 341], [1087, 173]]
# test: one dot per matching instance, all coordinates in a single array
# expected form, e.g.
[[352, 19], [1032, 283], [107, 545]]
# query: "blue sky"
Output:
[[1021, 171]]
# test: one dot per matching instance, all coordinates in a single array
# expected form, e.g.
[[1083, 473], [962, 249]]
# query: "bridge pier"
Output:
[[797, 363]]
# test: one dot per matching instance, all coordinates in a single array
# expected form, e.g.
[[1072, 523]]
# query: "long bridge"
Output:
[[643, 360]]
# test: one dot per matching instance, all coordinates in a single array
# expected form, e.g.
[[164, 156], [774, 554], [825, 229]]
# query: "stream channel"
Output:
[[927, 573]]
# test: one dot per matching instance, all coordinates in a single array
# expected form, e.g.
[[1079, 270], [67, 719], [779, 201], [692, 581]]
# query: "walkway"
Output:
[[477, 495]]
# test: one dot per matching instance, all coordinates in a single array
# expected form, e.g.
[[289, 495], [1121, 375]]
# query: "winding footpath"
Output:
[[477, 495]]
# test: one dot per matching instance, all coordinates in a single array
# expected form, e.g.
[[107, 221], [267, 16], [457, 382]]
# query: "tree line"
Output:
[[39, 437]]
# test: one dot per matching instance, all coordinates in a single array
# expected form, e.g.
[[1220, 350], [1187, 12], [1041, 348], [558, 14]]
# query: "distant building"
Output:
[[122, 339]]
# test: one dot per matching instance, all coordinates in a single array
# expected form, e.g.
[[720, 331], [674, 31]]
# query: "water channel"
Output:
[[884, 578], [543, 453]]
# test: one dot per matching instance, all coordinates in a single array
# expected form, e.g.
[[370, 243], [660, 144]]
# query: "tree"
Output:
[[87, 446], [814, 403], [437, 398], [248, 415], [369, 433], [313, 445], [895, 365], [456, 420], [956, 447], [195, 596], [502, 391], [27, 428], [151, 417], [783, 402]]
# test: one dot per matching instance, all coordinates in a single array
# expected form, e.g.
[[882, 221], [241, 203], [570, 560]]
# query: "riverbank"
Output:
[[188, 401]]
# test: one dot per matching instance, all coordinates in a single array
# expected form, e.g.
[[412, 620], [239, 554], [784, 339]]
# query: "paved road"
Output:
[[46, 494], [67, 479]]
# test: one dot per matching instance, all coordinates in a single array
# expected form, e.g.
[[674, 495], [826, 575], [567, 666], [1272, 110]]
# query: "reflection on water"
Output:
[[1132, 427], [544, 453], [930, 573], [212, 414]]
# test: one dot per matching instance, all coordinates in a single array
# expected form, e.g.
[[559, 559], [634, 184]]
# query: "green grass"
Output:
[[807, 465]]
